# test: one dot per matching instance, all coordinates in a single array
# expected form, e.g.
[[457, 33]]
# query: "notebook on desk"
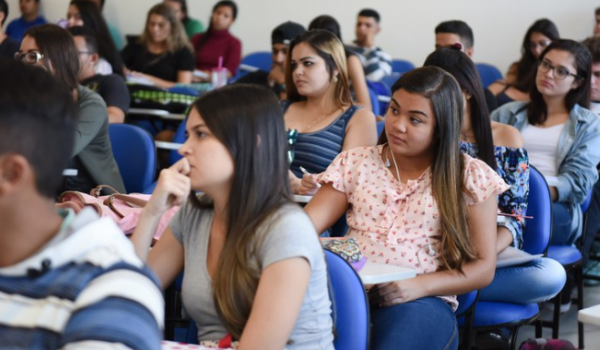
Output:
[[512, 256]]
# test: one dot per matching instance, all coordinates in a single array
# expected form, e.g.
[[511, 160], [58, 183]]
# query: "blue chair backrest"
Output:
[[488, 73], [389, 80], [536, 235], [350, 305], [135, 154], [402, 66], [179, 137], [380, 127], [374, 102], [261, 60]]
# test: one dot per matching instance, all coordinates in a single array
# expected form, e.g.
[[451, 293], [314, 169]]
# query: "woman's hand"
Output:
[[305, 186], [397, 292], [172, 188]]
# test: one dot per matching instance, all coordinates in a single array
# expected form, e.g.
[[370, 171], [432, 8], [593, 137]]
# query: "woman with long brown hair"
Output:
[[163, 55], [415, 201], [254, 268]]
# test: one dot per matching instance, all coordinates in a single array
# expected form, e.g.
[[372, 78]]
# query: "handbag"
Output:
[[124, 209], [347, 248]]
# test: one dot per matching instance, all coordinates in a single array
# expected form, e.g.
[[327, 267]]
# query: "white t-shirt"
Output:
[[542, 146]]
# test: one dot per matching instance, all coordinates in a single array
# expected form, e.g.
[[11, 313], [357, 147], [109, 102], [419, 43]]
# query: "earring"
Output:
[[335, 79]]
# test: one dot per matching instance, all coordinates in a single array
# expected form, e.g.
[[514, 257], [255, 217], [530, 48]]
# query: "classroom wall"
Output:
[[407, 26]]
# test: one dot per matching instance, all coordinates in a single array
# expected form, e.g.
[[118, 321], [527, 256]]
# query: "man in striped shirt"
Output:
[[66, 281], [376, 63]]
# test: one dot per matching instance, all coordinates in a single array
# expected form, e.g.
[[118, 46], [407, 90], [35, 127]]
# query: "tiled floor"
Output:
[[568, 323]]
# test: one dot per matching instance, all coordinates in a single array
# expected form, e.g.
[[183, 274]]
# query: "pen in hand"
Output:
[[304, 171]]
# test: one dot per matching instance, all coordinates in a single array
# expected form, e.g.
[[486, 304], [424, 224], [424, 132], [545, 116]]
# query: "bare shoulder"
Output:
[[506, 135], [362, 116]]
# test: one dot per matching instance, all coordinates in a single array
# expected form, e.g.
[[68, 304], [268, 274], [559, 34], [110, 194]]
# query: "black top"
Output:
[[8, 48], [490, 99], [165, 66], [112, 88]]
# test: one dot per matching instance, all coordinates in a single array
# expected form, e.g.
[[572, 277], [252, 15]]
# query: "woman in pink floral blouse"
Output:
[[415, 201]]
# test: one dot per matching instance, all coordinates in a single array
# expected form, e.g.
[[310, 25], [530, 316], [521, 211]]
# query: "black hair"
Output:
[[370, 13], [37, 113], [3, 9], [184, 8], [537, 110], [60, 54], [527, 64], [92, 18], [208, 33], [459, 28], [327, 23], [88, 35], [462, 68], [597, 11]]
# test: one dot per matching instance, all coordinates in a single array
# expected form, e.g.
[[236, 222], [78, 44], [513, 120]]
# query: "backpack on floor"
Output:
[[547, 344]]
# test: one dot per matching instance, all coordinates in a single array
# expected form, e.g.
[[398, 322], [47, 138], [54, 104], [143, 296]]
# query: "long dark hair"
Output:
[[537, 110], [526, 66], [60, 54], [464, 71], [209, 31], [252, 130], [92, 18], [447, 169]]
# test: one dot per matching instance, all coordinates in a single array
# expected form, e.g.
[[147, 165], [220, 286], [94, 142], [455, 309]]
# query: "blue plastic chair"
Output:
[[488, 73], [179, 137], [491, 315], [350, 305], [380, 128], [571, 259], [374, 102], [402, 66], [261, 60], [389, 80], [466, 310], [135, 154]]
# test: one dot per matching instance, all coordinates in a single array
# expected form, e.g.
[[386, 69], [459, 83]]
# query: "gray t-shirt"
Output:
[[290, 234]]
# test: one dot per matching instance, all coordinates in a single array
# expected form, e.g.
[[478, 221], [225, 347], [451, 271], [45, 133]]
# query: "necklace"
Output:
[[314, 122], [387, 162]]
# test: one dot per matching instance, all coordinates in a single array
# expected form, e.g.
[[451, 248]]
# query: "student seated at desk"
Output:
[[254, 268], [415, 201], [110, 87], [163, 55], [320, 111], [66, 281], [51, 48]]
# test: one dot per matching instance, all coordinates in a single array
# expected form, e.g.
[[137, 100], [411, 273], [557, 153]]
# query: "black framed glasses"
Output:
[[559, 72], [29, 57]]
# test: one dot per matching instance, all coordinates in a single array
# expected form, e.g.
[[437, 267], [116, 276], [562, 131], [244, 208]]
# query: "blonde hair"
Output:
[[177, 39], [331, 50]]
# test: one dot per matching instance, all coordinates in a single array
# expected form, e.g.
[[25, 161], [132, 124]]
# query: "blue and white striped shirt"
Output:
[[85, 289]]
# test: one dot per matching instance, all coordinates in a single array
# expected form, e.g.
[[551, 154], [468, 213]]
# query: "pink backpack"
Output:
[[547, 344], [124, 209]]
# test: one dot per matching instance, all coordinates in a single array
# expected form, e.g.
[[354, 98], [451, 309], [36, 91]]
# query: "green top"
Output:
[[193, 27]]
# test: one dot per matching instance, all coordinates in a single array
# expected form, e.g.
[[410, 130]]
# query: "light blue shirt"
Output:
[[578, 153]]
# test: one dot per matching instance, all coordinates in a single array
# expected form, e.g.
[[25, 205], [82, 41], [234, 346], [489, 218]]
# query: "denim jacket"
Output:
[[578, 153]]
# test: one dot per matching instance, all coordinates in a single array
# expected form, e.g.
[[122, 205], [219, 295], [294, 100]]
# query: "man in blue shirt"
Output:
[[30, 17]]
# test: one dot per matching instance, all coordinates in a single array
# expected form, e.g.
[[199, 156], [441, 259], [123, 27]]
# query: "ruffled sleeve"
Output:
[[337, 173], [481, 182]]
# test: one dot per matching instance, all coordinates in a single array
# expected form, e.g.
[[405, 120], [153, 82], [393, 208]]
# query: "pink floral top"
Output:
[[396, 223]]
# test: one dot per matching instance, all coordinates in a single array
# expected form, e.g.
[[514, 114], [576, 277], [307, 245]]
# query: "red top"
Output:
[[220, 43]]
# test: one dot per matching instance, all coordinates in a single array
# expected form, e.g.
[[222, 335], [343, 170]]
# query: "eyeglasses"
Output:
[[542, 43], [29, 57], [559, 72]]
